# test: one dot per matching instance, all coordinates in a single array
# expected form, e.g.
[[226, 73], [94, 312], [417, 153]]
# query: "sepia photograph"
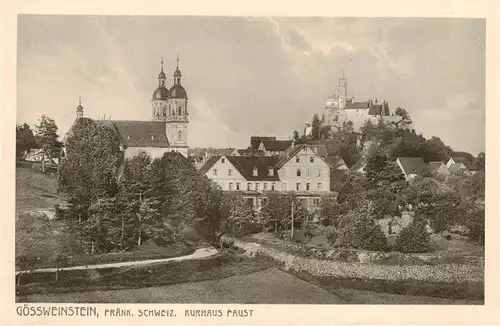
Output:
[[250, 160]]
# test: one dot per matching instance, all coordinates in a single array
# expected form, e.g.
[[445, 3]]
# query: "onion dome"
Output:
[[177, 91], [161, 93], [79, 108]]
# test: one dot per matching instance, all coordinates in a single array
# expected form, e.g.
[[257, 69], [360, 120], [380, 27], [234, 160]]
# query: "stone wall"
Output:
[[365, 269]]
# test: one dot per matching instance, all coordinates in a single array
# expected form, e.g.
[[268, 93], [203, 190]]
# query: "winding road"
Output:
[[197, 254]]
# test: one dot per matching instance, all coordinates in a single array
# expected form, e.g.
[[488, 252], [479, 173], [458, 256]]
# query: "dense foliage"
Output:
[[414, 238]]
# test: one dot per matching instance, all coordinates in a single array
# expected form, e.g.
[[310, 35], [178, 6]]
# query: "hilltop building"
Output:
[[340, 109], [166, 131]]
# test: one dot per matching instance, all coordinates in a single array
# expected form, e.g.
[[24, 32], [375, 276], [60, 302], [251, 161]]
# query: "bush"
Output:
[[414, 238], [332, 236], [362, 233]]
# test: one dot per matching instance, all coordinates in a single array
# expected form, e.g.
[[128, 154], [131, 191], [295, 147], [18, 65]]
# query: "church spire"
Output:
[[177, 73], [161, 77]]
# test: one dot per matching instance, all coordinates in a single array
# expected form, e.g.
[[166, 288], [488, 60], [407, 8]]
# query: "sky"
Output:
[[254, 76]]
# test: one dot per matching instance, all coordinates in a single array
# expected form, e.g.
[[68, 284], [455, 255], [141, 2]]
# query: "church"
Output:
[[166, 131]]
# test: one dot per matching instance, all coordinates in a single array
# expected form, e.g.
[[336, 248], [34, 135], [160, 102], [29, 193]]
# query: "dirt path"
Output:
[[198, 254]]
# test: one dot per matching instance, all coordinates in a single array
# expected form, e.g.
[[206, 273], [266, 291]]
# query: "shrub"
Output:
[[414, 238], [332, 235], [362, 233]]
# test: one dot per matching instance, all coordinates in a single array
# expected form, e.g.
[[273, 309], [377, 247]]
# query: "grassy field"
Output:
[[39, 237]]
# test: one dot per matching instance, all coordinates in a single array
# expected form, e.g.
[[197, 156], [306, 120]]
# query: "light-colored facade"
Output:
[[154, 152], [305, 171]]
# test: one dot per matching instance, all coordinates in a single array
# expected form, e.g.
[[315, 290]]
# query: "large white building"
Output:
[[166, 131]]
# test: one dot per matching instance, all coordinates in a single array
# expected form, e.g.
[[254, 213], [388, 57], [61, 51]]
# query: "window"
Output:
[[257, 186], [237, 186], [311, 159], [320, 186], [230, 186], [179, 135], [273, 186], [264, 186], [214, 172], [284, 186], [249, 186], [255, 172], [309, 172], [179, 111], [297, 186], [297, 159], [319, 173], [271, 172], [299, 173], [152, 137], [230, 172], [308, 186], [223, 160]]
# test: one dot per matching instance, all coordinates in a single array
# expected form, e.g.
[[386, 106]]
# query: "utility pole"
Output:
[[293, 203]]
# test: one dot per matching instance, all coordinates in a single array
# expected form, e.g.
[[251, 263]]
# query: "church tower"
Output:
[[177, 118], [160, 98]]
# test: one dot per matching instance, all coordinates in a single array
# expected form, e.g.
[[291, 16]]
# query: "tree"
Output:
[[375, 162], [331, 211], [361, 232], [25, 140], [47, 137], [414, 238], [402, 113], [386, 109], [315, 126], [480, 162], [277, 209], [296, 135]]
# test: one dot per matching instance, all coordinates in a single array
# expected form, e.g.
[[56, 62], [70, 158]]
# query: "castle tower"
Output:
[[79, 108], [160, 98], [177, 117], [342, 91]]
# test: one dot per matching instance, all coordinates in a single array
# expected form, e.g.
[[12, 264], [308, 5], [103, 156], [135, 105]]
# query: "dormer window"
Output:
[[297, 159], [152, 137], [223, 160], [255, 172], [311, 159], [271, 172], [128, 137]]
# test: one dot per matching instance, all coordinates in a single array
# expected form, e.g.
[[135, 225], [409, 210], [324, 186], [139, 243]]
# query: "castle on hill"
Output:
[[166, 131], [340, 109]]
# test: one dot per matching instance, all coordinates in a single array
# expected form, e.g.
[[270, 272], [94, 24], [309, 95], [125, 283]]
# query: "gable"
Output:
[[301, 151]]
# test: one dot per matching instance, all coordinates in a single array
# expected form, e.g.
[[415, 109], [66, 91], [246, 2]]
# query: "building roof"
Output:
[[335, 161], [161, 93], [412, 165], [250, 152], [277, 145], [291, 152], [177, 91], [255, 140], [209, 163], [246, 164], [433, 167], [376, 109], [357, 105], [320, 149], [457, 168], [139, 133], [460, 159]]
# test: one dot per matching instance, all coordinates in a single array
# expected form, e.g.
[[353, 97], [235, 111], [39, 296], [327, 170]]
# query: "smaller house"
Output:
[[256, 140], [411, 166], [275, 147], [437, 168], [459, 169]]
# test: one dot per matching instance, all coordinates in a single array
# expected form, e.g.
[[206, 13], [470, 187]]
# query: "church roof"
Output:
[[376, 109], [140, 133], [161, 93], [177, 91]]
